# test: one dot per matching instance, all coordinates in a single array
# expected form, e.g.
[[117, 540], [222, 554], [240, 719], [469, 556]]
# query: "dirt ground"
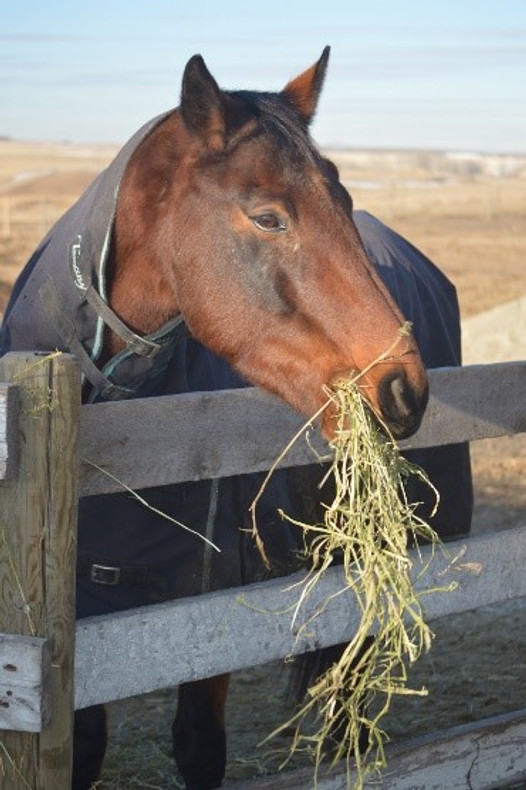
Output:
[[468, 214]]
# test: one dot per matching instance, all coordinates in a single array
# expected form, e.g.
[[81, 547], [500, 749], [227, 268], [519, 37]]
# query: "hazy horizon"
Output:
[[341, 149], [404, 76]]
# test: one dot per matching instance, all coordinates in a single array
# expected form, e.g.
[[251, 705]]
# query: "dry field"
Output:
[[468, 214]]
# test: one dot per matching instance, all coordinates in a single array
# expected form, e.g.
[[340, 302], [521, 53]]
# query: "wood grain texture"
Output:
[[37, 532], [56, 740]]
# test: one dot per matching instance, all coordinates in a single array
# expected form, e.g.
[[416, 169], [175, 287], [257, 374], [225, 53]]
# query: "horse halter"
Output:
[[149, 349]]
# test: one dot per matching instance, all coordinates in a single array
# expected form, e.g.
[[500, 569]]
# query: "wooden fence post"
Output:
[[37, 557]]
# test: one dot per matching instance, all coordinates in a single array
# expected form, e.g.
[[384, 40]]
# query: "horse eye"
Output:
[[269, 222]]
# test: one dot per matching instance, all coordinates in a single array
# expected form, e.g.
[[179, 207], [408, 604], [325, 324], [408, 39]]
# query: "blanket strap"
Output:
[[135, 343], [111, 574]]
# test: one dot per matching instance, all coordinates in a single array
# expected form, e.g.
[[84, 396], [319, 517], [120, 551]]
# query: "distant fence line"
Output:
[[45, 210], [395, 185]]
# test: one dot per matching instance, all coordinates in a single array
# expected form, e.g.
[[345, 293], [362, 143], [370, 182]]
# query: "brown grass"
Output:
[[470, 222]]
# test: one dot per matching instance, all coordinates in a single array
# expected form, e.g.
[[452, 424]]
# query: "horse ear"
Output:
[[202, 103], [304, 91]]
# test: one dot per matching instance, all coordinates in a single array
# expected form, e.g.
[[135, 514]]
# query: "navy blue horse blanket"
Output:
[[129, 556]]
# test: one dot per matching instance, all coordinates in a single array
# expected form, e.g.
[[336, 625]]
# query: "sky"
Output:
[[403, 73]]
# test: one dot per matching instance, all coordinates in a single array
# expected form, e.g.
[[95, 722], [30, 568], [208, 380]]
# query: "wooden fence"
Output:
[[48, 666]]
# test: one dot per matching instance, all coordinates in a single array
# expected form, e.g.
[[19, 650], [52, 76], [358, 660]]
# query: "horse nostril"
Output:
[[402, 407], [403, 397]]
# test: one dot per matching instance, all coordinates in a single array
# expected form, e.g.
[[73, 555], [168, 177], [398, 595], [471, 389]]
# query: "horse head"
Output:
[[243, 227]]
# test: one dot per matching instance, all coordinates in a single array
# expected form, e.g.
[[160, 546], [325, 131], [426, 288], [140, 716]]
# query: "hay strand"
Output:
[[142, 501]]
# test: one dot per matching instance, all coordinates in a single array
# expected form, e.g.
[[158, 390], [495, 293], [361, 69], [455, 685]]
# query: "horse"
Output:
[[219, 249]]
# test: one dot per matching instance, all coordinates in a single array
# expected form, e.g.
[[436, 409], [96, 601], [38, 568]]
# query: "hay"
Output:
[[366, 529], [142, 501]]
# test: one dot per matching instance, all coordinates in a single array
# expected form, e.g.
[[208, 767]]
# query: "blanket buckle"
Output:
[[105, 574]]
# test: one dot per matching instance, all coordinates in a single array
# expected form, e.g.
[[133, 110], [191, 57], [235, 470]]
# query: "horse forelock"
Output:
[[272, 116]]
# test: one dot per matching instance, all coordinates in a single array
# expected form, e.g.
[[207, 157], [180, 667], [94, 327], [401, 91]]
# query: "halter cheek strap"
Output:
[[135, 343]]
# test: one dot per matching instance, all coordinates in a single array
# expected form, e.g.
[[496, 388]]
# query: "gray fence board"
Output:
[[8, 431], [155, 441], [473, 402], [153, 647], [25, 671], [479, 756], [186, 437]]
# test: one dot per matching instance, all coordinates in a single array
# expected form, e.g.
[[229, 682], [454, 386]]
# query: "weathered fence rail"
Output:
[[482, 756], [153, 442], [191, 638]]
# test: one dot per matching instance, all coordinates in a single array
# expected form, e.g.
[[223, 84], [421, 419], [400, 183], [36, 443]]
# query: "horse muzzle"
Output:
[[402, 406]]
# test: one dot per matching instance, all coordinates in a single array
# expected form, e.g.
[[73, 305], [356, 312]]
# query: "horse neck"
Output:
[[140, 290]]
